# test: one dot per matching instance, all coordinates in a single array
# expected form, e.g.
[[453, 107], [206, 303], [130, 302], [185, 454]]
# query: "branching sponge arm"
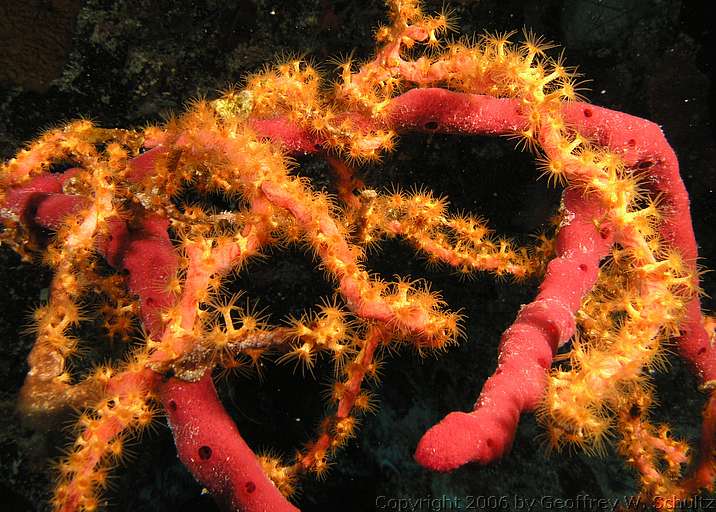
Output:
[[526, 349]]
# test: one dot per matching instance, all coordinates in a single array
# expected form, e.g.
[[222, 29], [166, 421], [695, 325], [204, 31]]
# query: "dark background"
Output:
[[128, 63]]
